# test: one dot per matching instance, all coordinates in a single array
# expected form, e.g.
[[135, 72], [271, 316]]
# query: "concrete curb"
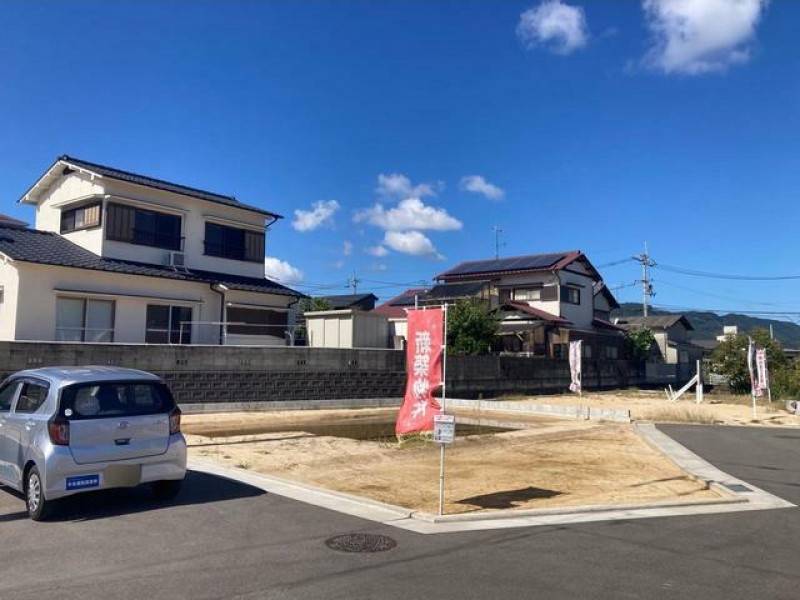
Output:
[[573, 411], [192, 408], [573, 510], [356, 506]]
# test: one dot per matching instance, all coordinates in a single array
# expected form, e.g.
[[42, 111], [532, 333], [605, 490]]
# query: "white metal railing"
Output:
[[219, 332], [84, 334]]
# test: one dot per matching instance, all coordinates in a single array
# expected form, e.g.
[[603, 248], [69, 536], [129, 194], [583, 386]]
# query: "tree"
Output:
[[638, 343], [729, 359], [471, 327], [314, 304]]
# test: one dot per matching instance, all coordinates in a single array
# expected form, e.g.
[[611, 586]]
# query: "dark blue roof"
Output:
[[530, 262], [160, 184], [342, 301], [44, 247]]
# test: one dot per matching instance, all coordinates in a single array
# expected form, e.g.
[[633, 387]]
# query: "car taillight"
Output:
[[59, 431], [175, 421]]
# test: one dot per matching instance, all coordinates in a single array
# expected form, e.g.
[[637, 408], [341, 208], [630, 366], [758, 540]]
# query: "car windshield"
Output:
[[109, 399]]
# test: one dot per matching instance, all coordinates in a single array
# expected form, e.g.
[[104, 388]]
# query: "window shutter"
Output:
[[253, 246], [121, 221], [549, 292]]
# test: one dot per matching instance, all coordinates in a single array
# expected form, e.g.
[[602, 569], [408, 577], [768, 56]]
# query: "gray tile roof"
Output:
[[44, 247], [160, 184], [654, 322]]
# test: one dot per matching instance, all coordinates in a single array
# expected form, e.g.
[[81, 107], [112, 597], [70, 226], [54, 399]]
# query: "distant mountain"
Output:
[[708, 325]]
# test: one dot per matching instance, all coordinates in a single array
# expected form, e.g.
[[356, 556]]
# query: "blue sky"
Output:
[[589, 125]]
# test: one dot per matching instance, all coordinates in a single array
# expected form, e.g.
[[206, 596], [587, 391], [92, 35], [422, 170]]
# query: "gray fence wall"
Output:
[[207, 374], [491, 376]]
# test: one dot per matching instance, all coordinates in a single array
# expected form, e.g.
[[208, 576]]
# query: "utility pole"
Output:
[[497, 231], [353, 282], [647, 286]]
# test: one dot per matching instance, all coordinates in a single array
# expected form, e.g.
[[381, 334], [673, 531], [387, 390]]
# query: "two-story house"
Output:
[[121, 257], [545, 301]]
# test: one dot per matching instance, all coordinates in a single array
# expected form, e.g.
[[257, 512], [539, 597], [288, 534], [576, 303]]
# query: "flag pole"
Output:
[[444, 408]]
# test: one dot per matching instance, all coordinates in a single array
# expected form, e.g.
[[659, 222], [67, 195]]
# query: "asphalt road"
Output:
[[225, 540]]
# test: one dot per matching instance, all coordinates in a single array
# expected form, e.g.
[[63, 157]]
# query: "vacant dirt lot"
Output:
[[554, 463], [647, 405]]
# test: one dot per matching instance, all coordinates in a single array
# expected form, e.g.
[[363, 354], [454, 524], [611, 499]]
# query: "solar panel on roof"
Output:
[[517, 263]]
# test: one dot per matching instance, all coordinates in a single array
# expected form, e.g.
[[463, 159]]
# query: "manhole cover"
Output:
[[361, 542]]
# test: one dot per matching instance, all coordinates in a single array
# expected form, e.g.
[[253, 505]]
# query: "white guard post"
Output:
[[697, 380]]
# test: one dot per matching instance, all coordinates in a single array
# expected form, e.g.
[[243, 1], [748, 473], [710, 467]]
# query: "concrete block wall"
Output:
[[206, 374]]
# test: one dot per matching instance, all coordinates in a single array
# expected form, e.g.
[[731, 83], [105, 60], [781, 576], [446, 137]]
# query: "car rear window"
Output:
[[110, 399]]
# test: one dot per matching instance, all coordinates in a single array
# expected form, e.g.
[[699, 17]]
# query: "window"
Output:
[[256, 321], [168, 324], [612, 352], [115, 399], [84, 320], [143, 227], [233, 243], [586, 350], [527, 294], [570, 295], [7, 393], [31, 397], [84, 217]]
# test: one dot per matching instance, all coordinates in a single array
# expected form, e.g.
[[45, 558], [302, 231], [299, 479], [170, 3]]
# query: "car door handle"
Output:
[[29, 424]]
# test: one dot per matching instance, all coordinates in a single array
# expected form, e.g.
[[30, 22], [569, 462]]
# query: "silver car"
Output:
[[67, 430]]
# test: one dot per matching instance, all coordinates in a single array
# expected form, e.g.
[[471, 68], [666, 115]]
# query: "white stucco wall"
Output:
[[66, 189], [39, 285], [8, 307], [580, 315]]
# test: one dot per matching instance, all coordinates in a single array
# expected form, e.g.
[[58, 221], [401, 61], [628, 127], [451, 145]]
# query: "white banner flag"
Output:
[[575, 366], [751, 351]]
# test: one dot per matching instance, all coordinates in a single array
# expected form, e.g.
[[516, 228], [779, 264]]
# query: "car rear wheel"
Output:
[[167, 489], [38, 506]]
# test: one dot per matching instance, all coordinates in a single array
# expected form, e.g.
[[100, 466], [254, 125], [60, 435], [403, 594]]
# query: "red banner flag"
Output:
[[423, 371]]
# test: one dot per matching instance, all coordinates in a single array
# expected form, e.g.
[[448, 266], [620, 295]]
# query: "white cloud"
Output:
[[411, 213], [478, 185], [378, 250], [397, 185], [321, 214], [560, 27], [347, 248], [414, 243], [281, 271], [700, 36]]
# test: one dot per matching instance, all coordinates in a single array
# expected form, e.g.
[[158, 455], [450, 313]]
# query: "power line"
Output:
[[727, 310], [711, 275], [614, 263]]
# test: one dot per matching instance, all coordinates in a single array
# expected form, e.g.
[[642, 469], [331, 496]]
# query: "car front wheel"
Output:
[[38, 506]]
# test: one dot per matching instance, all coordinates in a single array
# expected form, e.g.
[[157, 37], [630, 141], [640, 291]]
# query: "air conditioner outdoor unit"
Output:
[[177, 260]]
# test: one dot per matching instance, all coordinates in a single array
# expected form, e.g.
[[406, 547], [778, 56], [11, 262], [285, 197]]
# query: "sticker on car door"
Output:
[[83, 482]]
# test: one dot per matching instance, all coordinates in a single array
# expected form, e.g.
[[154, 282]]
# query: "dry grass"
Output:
[[680, 414]]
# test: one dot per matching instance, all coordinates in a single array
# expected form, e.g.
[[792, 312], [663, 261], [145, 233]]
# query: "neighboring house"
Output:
[[354, 301], [121, 257], [395, 312], [672, 336], [545, 301], [11, 221]]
